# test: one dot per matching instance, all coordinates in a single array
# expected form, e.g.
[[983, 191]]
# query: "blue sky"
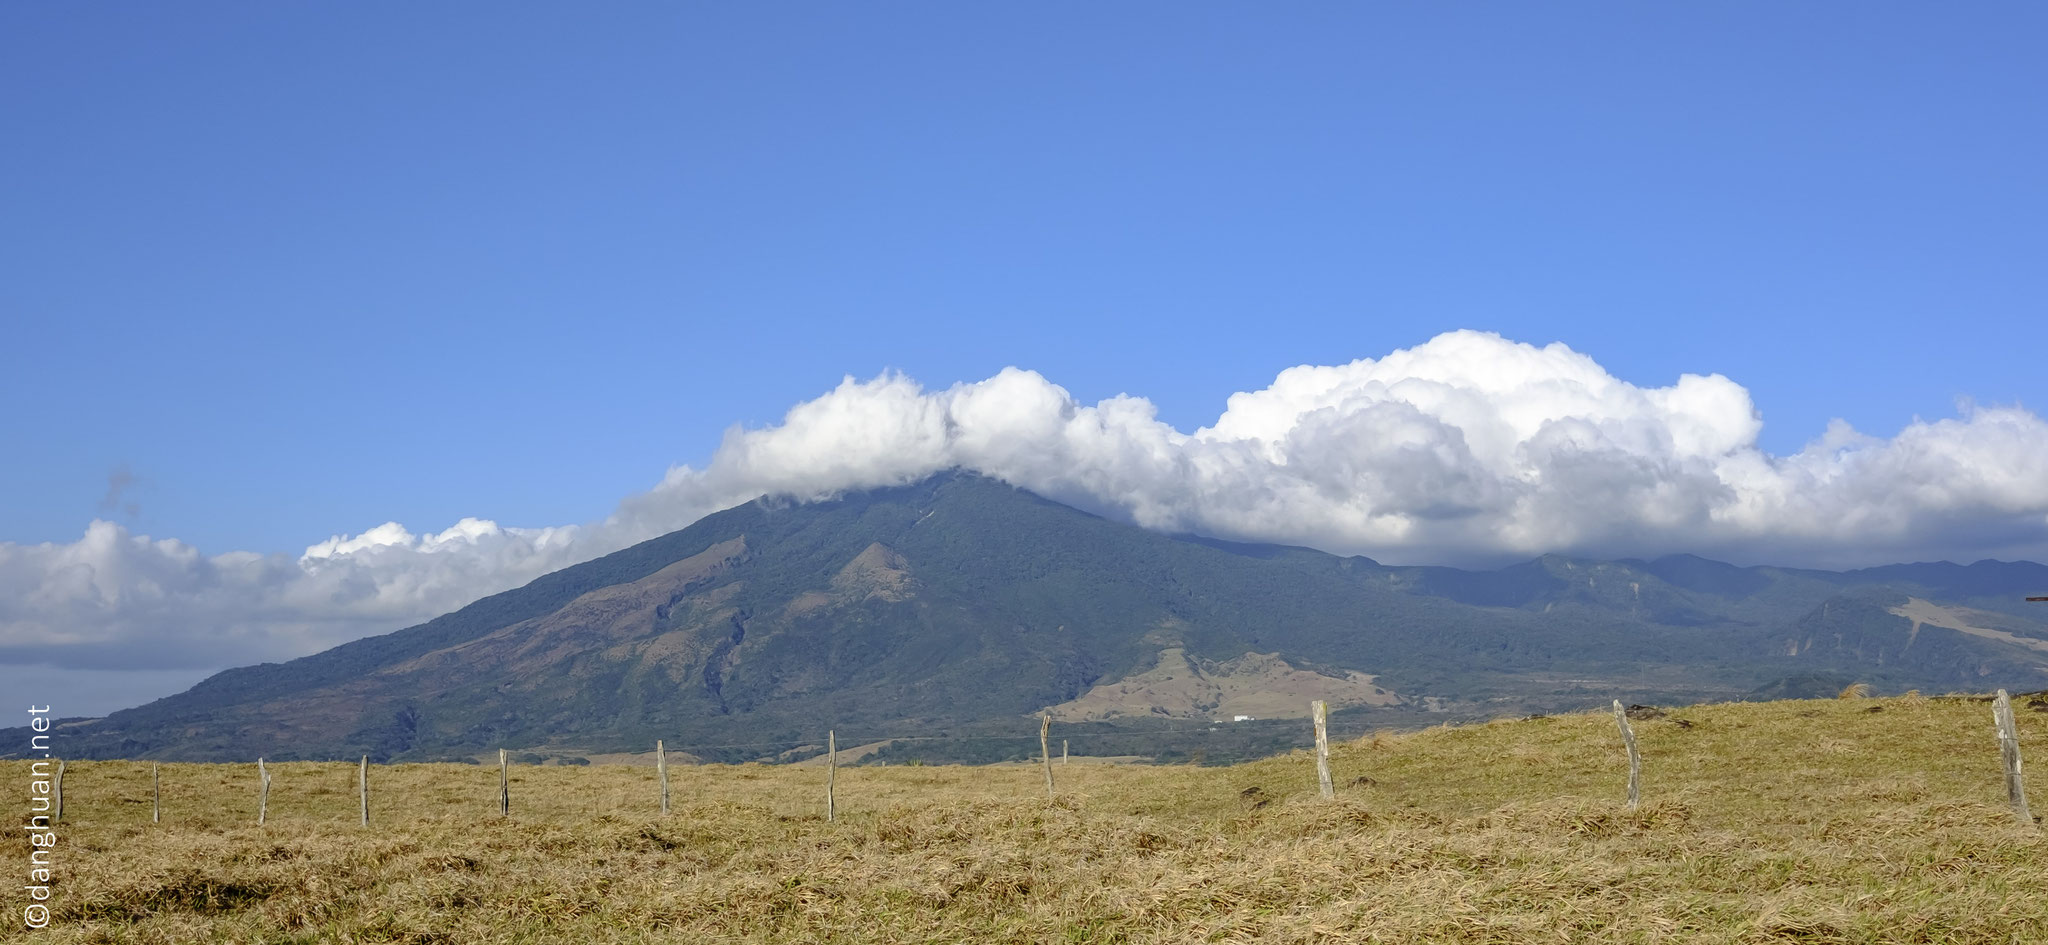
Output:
[[305, 269], [302, 270]]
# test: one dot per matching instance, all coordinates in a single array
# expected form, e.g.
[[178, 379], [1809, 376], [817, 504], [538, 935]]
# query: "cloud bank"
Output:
[[1467, 448]]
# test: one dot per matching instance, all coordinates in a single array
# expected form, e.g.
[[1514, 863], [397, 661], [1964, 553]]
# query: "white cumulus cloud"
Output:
[[1470, 447]]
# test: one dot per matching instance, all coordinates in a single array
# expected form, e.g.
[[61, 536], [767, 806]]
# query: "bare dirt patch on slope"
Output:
[[1261, 685], [847, 755], [1961, 619]]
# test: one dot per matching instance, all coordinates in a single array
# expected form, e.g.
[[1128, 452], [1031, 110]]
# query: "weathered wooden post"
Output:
[[1045, 752], [504, 785], [156, 793], [1063, 751], [1635, 761], [2009, 753], [831, 775], [363, 788], [58, 817], [661, 774], [1321, 714], [262, 792]]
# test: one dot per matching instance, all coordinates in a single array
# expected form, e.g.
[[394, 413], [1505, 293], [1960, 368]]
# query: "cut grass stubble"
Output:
[[1852, 820]]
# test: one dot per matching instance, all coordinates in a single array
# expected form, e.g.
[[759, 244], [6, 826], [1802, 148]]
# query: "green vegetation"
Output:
[[962, 606], [1842, 821]]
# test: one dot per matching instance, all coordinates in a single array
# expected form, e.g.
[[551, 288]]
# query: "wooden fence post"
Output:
[[262, 792], [1321, 714], [1635, 761], [661, 774], [1063, 751], [59, 818], [2009, 753], [363, 788], [156, 793], [504, 785], [1045, 752], [831, 776]]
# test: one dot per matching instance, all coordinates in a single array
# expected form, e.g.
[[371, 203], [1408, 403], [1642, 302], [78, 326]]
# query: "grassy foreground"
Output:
[[1857, 820]]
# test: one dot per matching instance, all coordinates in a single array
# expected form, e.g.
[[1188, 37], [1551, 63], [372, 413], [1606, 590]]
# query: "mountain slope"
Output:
[[960, 603]]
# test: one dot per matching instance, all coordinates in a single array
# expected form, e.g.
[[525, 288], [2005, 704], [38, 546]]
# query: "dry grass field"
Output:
[[1854, 820]]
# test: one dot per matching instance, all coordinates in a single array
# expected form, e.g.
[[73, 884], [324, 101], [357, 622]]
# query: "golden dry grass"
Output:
[[1875, 820]]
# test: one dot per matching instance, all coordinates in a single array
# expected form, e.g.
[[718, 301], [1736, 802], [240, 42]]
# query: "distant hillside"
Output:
[[960, 603]]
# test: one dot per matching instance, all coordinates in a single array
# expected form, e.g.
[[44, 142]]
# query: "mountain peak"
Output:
[[962, 602]]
